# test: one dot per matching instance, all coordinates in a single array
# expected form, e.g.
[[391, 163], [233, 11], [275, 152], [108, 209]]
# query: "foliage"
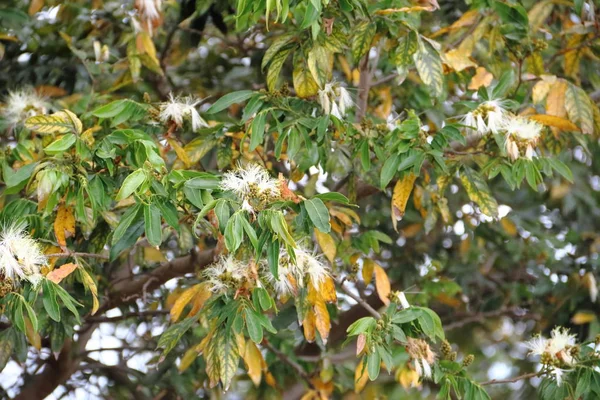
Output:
[[310, 194]]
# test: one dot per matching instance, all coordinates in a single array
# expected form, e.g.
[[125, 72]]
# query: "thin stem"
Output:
[[77, 254], [285, 359], [512, 380], [359, 300], [117, 318]]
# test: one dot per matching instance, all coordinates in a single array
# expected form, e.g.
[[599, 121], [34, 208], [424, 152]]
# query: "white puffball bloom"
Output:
[[522, 128], [312, 265], [20, 256], [537, 345], [178, 109], [249, 182], [282, 285], [495, 114], [335, 100], [225, 273], [558, 373], [403, 301], [557, 347], [22, 104]]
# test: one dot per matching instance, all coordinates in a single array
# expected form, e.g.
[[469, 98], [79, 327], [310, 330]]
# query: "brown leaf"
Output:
[[35, 6], [481, 78], [64, 225], [32, 336], [361, 341], [382, 284], [286, 192], [61, 273]]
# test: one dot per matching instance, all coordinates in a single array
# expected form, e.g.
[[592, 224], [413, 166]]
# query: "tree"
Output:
[[299, 199]]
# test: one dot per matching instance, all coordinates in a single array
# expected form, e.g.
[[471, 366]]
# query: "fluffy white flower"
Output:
[[335, 100], [284, 283], [537, 345], [178, 109], [495, 113], [522, 128], [250, 182], [312, 265], [403, 301], [557, 347], [22, 104], [20, 255], [225, 274]]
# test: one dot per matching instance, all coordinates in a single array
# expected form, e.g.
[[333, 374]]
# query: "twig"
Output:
[[117, 318], [490, 314], [364, 85], [512, 380], [77, 254], [360, 301], [285, 359], [385, 79]]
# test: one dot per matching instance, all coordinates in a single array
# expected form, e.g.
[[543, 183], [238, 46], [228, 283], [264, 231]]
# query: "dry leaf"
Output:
[[382, 284], [459, 59], [308, 325], [555, 101], [64, 225], [58, 274], [556, 122], [400, 197], [361, 341], [327, 245], [254, 361], [183, 300], [361, 377], [481, 78], [322, 320]]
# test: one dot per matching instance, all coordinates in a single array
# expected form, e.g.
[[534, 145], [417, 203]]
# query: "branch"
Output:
[[512, 380], [364, 85], [140, 314], [359, 300], [285, 359], [76, 254]]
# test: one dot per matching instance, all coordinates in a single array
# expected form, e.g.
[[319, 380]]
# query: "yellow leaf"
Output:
[[400, 197], [407, 377], [539, 13], [367, 270], [327, 245], [573, 57], [382, 284], [583, 317], [304, 83], [89, 283], [360, 377], [32, 336], [35, 6], [557, 122], [458, 59], [58, 274], [308, 325], [55, 123], [555, 101], [64, 225], [76, 125], [181, 153], [327, 290], [467, 19], [509, 226], [254, 361], [183, 300], [481, 78], [200, 298], [384, 109], [187, 359], [540, 91]]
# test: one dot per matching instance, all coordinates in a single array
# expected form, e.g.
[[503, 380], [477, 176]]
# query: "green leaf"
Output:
[[273, 257], [318, 214], [430, 323], [173, 334], [61, 145], [255, 330], [204, 181], [561, 168], [407, 47], [277, 45], [229, 99], [121, 111], [258, 130], [67, 300], [152, 224], [275, 67], [49, 300], [389, 169], [373, 365], [579, 108], [479, 192], [280, 227], [131, 183], [361, 325], [512, 13], [234, 233], [364, 33], [333, 196], [429, 66], [130, 215]]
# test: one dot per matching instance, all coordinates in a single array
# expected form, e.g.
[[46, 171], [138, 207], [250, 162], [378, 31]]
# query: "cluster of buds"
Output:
[[253, 186], [21, 257], [556, 353], [335, 100], [422, 355]]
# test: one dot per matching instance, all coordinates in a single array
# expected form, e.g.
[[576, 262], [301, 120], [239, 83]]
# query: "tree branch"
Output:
[[359, 300], [511, 380]]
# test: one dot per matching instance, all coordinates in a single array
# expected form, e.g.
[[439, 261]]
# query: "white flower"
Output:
[[512, 149], [403, 301], [225, 274], [557, 347], [558, 374], [522, 128], [177, 109], [283, 284], [250, 182], [590, 280], [149, 11], [23, 104], [247, 207], [426, 368], [495, 113], [422, 355], [537, 345], [20, 255], [312, 265], [335, 100]]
